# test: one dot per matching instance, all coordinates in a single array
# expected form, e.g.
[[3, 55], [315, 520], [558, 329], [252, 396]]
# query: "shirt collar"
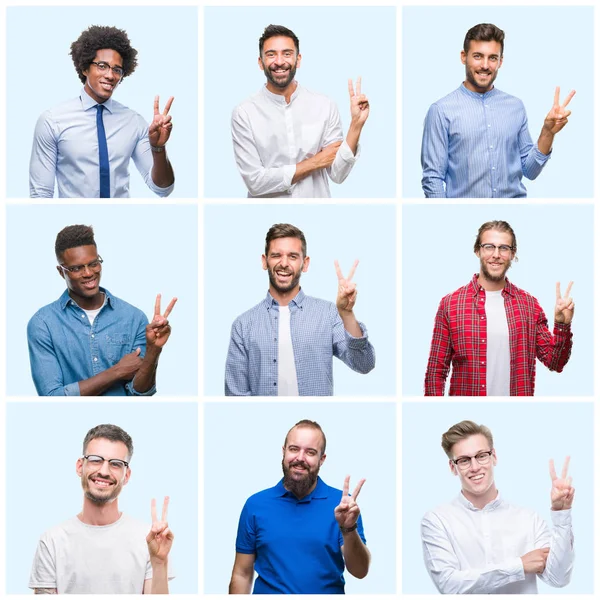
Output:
[[477, 95], [493, 505], [319, 492], [65, 299], [297, 300], [278, 98], [508, 290], [88, 102]]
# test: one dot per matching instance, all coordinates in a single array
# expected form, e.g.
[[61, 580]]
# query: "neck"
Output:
[[284, 298], [99, 514], [286, 91], [88, 303], [491, 286], [481, 500]]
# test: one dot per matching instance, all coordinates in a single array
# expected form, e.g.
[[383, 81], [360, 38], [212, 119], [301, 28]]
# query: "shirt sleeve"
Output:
[[344, 159], [559, 563], [440, 355], [245, 542], [142, 157], [532, 160], [43, 571], [45, 367], [237, 367], [357, 353], [140, 342], [445, 570], [258, 179], [553, 350], [44, 154], [434, 153]]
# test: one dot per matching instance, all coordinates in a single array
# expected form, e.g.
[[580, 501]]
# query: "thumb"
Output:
[[138, 351]]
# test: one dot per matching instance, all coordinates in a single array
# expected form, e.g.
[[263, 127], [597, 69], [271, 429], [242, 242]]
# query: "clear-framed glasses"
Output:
[[94, 266], [116, 464], [103, 67], [503, 249], [464, 462]]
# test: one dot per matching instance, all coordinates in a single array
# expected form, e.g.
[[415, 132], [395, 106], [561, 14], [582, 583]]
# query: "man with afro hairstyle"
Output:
[[86, 143]]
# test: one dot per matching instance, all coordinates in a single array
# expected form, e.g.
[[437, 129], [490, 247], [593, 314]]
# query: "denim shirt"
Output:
[[65, 349]]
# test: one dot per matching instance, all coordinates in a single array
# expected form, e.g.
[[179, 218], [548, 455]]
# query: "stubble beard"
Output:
[[281, 84], [495, 278], [283, 289]]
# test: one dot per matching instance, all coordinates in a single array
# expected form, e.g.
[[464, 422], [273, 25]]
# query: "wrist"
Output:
[[348, 530], [152, 351], [159, 563], [157, 149]]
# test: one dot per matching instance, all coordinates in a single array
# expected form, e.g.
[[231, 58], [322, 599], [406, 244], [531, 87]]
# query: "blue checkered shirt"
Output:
[[318, 335]]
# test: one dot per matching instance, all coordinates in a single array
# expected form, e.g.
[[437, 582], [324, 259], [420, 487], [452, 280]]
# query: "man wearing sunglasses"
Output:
[[482, 544], [86, 143], [491, 331], [102, 550], [89, 342]]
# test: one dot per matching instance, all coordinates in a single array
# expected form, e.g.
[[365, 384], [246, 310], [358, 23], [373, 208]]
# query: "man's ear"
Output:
[[322, 460], [305, 264], [452, 467], [463, 57], [260, 64], [79, 467], [264, 262]]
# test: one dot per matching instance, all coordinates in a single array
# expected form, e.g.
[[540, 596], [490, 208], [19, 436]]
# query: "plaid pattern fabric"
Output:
[[318, 335], [460, 339]]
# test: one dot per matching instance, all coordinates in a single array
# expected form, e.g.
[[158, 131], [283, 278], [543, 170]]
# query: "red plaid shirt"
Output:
[[460, 339]]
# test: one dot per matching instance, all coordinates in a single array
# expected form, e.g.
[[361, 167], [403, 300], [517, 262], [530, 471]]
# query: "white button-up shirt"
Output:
[[478, 551], [271, 136]]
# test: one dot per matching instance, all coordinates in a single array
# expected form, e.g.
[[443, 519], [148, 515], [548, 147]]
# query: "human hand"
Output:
[[128, 366], [347, 292], [160, 539], [565, 307], [159, 330], [160, 128], [535, 561], [562, 492], [326, 156], [557, 118], [347, 511], [359, 103]]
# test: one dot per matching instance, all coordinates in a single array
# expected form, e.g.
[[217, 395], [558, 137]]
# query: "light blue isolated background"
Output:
[[336, 44], [526, 436], [243, 456], [533, 66], [234, 280], [555, 243], [164, 463], [147, 250], [40, 74]]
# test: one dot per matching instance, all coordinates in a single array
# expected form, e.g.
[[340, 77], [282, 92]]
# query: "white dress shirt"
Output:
[[271, 136], [478, 551]]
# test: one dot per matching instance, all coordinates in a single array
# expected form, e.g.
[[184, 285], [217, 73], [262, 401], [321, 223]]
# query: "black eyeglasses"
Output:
[[491, 248], [95, 266], [116, 464], [464, 462], [102, 67]]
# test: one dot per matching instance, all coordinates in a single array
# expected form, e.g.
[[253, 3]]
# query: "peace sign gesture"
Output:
[[160, 539], [359, 103], [557, 118], [565, 307], [562, 492], [160, 128], [159, 330], [347, 511], [347, 292]]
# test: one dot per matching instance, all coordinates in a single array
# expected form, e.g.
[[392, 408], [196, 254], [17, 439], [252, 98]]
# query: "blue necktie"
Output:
[[102, 154]]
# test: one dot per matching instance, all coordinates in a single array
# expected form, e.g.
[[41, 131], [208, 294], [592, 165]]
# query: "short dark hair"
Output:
[[310, 425], [111, 433], [73, 236], [98, 37], [498, 226], [461, 431], [484, 32], [275, 31], [284, 230]]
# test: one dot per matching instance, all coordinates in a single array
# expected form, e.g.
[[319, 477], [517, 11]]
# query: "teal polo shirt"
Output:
[[297, 543]]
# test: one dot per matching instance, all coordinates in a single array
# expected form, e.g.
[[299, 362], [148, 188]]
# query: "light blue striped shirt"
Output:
[[318, 334], [478, 146]]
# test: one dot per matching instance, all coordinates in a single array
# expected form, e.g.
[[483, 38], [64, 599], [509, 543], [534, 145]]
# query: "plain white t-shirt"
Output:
[[287, 379], [498, 345]]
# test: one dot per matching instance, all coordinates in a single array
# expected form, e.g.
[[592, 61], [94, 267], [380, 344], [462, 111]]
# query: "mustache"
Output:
[[299, 463]]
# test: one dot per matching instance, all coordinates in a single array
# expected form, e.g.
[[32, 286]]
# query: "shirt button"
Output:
[[83, 316], [493, 168], [274, 339], [93, 335], [483, 362], [483, 341], [274, 360], [275, 383], [95, 359], [483, 317], [489, 125], [491, 147], [494, 189]]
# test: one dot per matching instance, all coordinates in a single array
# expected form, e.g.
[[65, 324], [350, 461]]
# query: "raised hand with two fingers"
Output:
[[565, 307], [347, 511], [359, 103], [160, 539], [562, 492], [557, 118], [347, 292], [159, 330], [161, 126]]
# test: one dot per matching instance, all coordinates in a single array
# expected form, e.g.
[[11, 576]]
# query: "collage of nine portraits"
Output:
[[167, 172]]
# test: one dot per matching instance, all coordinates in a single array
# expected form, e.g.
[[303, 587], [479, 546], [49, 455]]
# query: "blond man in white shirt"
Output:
[[482, 544], [288, 140]]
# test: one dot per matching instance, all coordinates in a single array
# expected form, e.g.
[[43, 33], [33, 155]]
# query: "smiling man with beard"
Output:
[[89, 342], [285, 345], [491, 331], [482, 544], [299, 535], [476, 141], [101, 550], [288, 140]]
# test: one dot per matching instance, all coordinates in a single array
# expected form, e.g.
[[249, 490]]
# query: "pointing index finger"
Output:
[[153, 510], [552, 470], [168, 105], [352, 270], [338, 271], [358, 488], [156, 109], [558, 294], [165, 509], [565, 469], [568, 98], [557, 96], [170, 307], [358, 85], [346, 487], [350, 88], [568, 290], [157, 306]]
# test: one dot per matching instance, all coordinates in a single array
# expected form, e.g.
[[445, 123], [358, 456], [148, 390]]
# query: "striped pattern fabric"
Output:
[[460, 338], [478, 146], [318, 335]]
